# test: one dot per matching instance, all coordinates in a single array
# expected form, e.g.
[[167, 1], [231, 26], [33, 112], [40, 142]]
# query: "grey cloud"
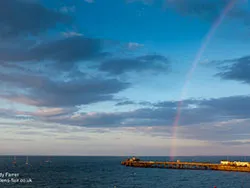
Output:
[[30, 133], [11, 114], [167, 104], [145, 103], [235, 106], [235, 143], [14, 55], [43, 91], [94, 120], [117, 66], [213, 110], [19, 17], [235, 69], [5, 113], [129, 102], [166, 116], [234, 131], [68, 50], [17, 139], [14, 66], [77, 138], [124, 103], [64, 52], [230, 131], [205, 111]]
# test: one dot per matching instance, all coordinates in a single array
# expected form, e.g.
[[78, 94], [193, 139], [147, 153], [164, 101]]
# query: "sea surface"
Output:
[[107, 172]]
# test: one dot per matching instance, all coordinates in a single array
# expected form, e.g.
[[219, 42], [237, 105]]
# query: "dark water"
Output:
[[105, 172]]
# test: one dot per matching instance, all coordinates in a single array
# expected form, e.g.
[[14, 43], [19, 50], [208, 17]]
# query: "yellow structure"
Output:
[[238, 163], [225, 162], [134, 159], [235, 163]]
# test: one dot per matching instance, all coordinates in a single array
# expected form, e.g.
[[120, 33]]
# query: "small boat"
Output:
[[48, 160], [27, 162]]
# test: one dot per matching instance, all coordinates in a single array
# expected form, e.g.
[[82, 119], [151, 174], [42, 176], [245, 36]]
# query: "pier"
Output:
[[223, 166]]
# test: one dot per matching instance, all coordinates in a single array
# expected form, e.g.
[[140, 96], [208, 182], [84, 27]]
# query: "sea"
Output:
[[107, 172]]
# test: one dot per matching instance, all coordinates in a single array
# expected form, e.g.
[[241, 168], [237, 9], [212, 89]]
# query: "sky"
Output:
[[94, 77]]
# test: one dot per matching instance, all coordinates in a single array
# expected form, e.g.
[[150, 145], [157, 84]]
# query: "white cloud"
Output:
[[66, 9], [71, 34], [134, 45]]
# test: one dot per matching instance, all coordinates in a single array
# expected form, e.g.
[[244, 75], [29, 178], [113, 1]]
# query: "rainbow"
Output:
[[198, 56]]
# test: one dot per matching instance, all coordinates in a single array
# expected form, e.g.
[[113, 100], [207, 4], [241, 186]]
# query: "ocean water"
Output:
[[107, 172]]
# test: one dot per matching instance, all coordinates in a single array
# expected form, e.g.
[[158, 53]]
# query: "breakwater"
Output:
[[133, 162]]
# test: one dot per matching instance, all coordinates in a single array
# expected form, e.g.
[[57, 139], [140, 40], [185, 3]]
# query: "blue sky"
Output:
[[105, 77]]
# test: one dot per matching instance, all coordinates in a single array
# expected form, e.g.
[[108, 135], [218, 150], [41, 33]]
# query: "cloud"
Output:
[[67, 9], [236, 143], [62, 94], [235, 69], [53, 112], [220, 121], [71, 34], [94, 119], [205, 111], [17, 139], [125, 103], [235, 131], [8, 113], [167, 104], [230, 130], [129, 102], [43, 91], [74, 138], [64, 52], [19, 17], [117, 66], [212, 110], [134, 45], [68, 50], [234, 106]]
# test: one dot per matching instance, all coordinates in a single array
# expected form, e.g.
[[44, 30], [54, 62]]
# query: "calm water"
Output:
[[105, 172]]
